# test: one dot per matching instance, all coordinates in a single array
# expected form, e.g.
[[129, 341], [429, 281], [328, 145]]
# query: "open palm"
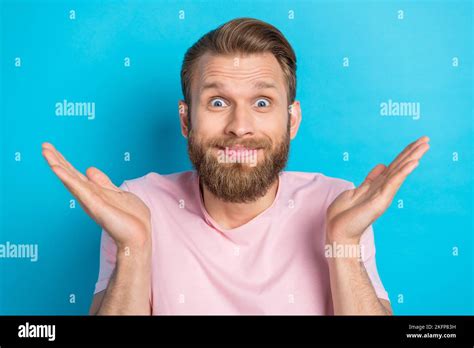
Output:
[[353, 211], [121, 213]]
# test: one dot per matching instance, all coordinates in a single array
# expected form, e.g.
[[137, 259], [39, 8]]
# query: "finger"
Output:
[[81, 190], [94, 205], [70, 181], [59, 155], [67, 177], [373, 174], [416, 154], [63, 160], [101, 178], [51, 157], [396, 180], [53, 160], [406, 152]]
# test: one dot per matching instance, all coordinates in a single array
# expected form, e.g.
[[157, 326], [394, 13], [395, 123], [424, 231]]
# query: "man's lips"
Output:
[[237, 148]]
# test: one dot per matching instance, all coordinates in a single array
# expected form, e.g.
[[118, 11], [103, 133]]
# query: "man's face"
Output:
[[240, 130]]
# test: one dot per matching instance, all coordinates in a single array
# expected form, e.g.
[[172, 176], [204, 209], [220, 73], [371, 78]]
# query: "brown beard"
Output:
[[238, 182]]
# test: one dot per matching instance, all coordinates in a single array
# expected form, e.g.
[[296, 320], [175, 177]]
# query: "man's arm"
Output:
[[96, 302], [129, 288], [350, 214], [352, 290], [128, 221]]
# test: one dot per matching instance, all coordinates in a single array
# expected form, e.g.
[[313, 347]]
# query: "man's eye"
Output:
[[262, 102], [218, 102]]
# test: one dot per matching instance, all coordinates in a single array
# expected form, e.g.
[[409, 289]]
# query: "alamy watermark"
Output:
[[75, 109], [336, 250], [401, 109], [19, 251], [28, 330], [240, 155]]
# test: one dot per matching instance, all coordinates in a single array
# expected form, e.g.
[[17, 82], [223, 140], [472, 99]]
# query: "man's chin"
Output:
[[235, 178]]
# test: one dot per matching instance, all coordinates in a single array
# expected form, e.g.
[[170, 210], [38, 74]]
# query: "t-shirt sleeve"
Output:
[[368, 258], [108, 254], [367, 244]]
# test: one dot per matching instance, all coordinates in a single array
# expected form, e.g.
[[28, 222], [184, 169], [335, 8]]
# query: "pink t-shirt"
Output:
[[273, 264]]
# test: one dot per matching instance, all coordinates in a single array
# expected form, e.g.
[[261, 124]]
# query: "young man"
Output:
[[238, 235]]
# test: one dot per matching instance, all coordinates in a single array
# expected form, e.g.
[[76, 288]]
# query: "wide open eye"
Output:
[[262, 102], [218, 102]]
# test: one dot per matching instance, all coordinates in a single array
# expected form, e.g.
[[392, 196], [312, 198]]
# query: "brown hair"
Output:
[[245, 36]]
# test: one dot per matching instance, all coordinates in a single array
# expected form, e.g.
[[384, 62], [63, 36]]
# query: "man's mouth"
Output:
[[238, 148], [238, 154]]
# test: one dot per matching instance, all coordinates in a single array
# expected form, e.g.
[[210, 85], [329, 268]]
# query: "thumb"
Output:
[[100, 178]]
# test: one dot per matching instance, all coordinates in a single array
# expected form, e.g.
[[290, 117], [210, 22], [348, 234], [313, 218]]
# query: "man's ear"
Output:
[[295, 118], [183, 117]]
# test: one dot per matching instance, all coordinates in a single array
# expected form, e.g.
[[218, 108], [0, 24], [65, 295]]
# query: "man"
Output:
[[238, 235]]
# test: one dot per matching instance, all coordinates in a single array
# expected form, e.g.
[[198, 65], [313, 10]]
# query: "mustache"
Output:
[[250, 143]]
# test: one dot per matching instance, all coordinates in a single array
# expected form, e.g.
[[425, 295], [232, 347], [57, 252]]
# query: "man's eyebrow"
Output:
[[264, 85], [256, 85], [210, 85]]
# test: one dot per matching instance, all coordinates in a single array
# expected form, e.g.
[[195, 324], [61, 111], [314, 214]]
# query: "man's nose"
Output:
[[240, 122]]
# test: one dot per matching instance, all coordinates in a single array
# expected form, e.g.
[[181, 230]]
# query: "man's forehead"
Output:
[[263, 70]]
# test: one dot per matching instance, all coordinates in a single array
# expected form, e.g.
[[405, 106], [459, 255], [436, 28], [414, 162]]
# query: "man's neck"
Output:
[[232, 215]]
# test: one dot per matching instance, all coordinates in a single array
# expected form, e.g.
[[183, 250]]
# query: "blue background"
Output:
[[407, 59]]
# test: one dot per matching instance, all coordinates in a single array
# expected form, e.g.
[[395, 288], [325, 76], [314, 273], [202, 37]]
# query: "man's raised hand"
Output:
[[121, 213], [354, 210]]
